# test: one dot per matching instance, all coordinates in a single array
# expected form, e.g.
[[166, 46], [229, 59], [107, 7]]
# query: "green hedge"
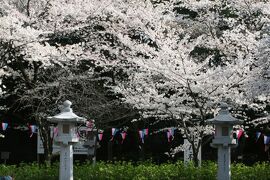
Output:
[[141, 171]]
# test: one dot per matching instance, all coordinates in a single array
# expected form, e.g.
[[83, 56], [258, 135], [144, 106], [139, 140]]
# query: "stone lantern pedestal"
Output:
[[66, 137], [223, 140]]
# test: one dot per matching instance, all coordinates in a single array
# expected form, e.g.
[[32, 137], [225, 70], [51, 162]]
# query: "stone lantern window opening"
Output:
[[65, 129], [225, 131]]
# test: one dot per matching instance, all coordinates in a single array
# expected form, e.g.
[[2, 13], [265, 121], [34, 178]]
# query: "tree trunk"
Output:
[[110, 153], [196, 153], [195, 158], [44, 129]]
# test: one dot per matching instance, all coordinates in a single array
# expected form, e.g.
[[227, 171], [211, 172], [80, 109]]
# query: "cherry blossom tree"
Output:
[[45, 43], [211, 52], [43, 49], [23, 55]]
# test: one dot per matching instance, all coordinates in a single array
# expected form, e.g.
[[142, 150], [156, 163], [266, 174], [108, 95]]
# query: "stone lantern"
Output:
[[66, 137], [224, 140]]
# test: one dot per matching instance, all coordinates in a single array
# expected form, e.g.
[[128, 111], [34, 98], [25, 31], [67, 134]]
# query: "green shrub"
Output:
[[258, 171], [139, 171]]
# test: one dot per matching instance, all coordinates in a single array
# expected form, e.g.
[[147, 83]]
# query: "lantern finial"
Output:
[[66, 106], [224, 108], [223, 105]]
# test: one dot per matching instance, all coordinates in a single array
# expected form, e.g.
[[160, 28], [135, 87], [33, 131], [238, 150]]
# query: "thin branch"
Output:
[[28, 8]]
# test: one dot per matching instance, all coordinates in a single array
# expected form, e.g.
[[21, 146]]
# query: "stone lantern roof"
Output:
[[224, 116], [66, 115]]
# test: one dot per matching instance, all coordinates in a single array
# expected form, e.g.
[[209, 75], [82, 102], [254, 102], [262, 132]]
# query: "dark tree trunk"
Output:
[[110, 153], [44, 130], [196, 150]]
